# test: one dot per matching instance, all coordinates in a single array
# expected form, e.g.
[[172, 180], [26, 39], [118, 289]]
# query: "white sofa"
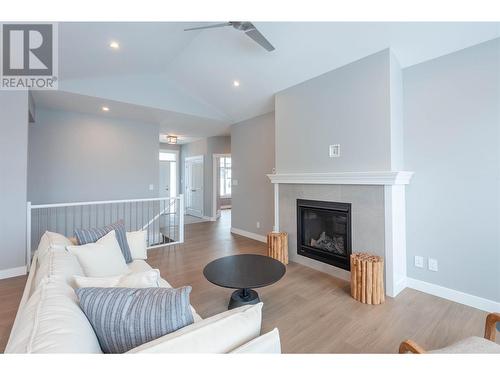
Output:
[[49, 318]]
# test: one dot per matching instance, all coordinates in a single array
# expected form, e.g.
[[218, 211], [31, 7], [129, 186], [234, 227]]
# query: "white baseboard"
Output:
[[253, 236], [209, 218], [453, 295], [399, 286], [12, 272], [227, 206]]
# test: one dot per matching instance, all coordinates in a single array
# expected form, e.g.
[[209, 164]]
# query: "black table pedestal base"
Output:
[[243, 297]]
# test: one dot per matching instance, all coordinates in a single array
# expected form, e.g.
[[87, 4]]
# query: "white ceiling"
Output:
[[183, 80], [186, 127]]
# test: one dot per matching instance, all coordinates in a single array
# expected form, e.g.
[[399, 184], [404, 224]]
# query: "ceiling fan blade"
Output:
[[209, 26], [260, 39]]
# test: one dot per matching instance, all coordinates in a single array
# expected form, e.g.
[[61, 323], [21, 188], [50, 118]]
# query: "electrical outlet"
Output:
[[151, 187], [258, 224], [419, 261], [334, 151], [235, 182], [433, 264]]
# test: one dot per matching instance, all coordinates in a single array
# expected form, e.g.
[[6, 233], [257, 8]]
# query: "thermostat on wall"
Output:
[[334, 151]]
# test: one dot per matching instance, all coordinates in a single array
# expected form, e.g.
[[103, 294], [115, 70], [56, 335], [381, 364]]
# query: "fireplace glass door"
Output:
[[324, 231]]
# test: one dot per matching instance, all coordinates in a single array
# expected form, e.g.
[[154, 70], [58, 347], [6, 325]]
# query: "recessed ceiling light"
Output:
[[105, 109], [236, 83], [114, 45]]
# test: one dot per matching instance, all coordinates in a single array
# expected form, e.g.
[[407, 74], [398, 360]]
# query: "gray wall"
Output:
[[206, 147], [397, 125], [252, 158], [13, 170], [350, 106], [452, 128], [81, 157]]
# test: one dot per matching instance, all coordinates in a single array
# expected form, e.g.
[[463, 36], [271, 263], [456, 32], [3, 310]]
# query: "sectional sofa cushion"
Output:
[[57, 264], [220, 333], [51, 240], [101, 259], [268, 343], [51, 321], [124, 318], [137, 244], [85, 236], [145, 279]]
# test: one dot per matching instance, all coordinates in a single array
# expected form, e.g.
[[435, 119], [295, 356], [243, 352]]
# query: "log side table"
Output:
[[277, 246], [367, 278]]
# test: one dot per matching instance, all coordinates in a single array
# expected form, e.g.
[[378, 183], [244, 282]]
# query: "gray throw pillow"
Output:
[[124, 318], [85, 236]]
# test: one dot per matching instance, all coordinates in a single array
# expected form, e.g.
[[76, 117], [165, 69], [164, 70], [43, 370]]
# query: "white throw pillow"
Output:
[[146, 279], [220, 333], [102, 258], [137, 244]]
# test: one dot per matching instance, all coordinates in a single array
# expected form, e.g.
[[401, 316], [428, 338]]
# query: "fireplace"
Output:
[[324, 231]]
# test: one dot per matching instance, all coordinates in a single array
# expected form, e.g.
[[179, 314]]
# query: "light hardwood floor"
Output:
[[313, 311]]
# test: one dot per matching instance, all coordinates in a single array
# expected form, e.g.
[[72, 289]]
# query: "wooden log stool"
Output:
[[367, 278], [277, 246]]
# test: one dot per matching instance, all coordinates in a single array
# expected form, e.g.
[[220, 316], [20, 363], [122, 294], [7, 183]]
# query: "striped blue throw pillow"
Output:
[[85, 236], [124, 318]]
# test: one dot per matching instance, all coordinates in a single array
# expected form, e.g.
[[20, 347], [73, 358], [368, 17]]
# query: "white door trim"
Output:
[[189, 159], [215, 214]]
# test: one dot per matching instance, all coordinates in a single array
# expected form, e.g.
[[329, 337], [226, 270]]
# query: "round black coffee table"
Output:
[[243, 272]]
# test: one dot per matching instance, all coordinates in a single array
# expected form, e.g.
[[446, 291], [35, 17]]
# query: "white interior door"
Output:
[[164, 184], [194, 186]]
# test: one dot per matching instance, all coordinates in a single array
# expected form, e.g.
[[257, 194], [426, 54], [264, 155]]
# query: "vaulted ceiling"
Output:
[[184, 80]]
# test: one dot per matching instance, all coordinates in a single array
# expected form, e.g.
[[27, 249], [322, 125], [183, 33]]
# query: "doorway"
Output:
[[169, 174], [194, 185], [222, 183]]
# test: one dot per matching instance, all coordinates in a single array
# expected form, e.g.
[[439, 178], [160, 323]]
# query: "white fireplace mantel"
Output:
[[344, 178]]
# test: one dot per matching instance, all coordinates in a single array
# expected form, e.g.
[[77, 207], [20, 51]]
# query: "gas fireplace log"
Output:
[[367, 278]]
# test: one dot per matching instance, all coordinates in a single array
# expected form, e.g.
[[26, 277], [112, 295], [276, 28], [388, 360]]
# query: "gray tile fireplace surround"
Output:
[[368, 225]]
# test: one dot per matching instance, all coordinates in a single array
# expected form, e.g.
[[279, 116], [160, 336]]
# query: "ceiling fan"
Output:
[[247, 27]]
